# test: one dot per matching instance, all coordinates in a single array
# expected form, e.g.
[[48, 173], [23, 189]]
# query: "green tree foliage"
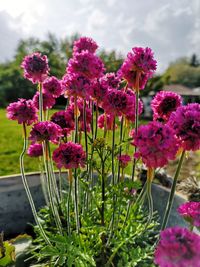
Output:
[[183, 71]]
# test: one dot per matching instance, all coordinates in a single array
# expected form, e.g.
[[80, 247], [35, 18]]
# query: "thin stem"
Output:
[[26, 186], [85, 131], [68, 200], [40, 102], [76, 201], [150, 176], [96, 121], [76, 120], [171, 196], [102, 194], [120, 149], [113, 153]]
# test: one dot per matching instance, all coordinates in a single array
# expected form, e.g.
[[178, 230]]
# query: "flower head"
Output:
[[186, 123], [35, 150], [45, 131], [23, 111], [97, 91], [86, 64], [69, 155], [35, 67], [164, 103], [52, 86], [117, 102], [178, 247], [190, 211], [65, 120], [76, 85], [48, 100], [108, 119], [156, 144], [85, 43], [110, 80], [124, 160], [140, 60]]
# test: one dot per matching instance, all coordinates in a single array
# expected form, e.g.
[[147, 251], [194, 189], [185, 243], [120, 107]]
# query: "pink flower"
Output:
[[35, 67], [124, 160], [86, 64], [45, 131], [52, 86], [139, 60], [85, 43], [48, 100], [109, 121], [117, 102], [130, 115], [97, 91], [190, 211], [76, 85], [110, 80], [178, 247], [65, 120], [69, 155], [164, 103], [186, 123], [23, 111], [35, 150], [156, 144]]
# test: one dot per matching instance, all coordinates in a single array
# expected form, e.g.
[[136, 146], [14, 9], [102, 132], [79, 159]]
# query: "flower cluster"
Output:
[[138, 62], [35, 150], [52, 86], [190, 211], [45, 131], [69, 155], [186, 124], [110, 81], [156, 144], [65, 120], [86, 64], [85, 43], [35, 67], [106, 120], [124, 160], [178, 247], [164, 103], [23, 111]]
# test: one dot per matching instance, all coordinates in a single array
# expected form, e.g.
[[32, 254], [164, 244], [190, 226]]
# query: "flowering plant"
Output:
[[94, 215]]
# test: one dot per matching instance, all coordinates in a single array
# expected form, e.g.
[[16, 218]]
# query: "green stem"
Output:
[[120, 149], [76, 201], [68, 201], [40, 102], [102, 195], [96, 121], [171, 196], [26, 186]]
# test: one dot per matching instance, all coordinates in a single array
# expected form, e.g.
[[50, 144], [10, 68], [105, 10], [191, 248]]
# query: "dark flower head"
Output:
[[23, 111], [48, 100], [35, 150], [190, 211], [65, 120], [110, 81], [164, 103], [52, 86], [35, 67]]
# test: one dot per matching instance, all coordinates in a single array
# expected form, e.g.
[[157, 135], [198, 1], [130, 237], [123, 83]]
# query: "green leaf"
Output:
[[9, 257]]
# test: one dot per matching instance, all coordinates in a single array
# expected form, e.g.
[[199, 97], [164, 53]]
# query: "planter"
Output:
[[16, 212]]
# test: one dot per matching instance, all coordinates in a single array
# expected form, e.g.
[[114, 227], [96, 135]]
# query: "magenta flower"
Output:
[[35, 67], [130, 115], [65, 120], [190, 211], [117, 103], [48, 100], [86, 64], [178, 247], [186, 123], [110, 80], [156, 144], [97, 91], [69, 155], [35, 150], [139, 60], [76, 85], [109, 121], [85, 43], [22, 111], [164, 103], [124, 160], [52, 86], [45, 131]]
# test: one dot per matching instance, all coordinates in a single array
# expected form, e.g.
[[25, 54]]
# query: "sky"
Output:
[[171, 28]]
